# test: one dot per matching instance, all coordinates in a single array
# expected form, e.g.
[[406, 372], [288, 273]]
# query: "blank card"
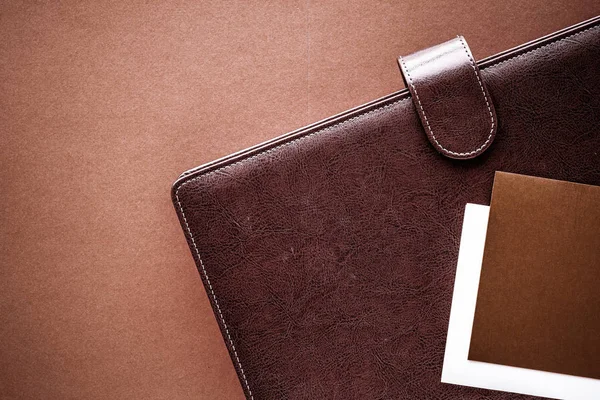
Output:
[[457, 368]]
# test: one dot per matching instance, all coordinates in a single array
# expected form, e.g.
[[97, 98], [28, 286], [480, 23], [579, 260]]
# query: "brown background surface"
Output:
[[103, 104]]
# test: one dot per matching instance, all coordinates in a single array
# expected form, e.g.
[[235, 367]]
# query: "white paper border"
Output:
[[458, 369]]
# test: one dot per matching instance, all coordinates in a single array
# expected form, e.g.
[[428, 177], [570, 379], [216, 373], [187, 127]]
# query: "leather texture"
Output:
[[329, 253], [450, 97]]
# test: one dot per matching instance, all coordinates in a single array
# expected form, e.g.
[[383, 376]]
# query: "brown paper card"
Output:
[[538, 304]]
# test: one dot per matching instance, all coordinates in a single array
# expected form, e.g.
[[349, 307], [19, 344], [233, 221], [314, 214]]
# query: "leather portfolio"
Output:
[[329, 253]]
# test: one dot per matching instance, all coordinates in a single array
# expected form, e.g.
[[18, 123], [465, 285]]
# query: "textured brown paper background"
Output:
[[103, 104], [538, 304]]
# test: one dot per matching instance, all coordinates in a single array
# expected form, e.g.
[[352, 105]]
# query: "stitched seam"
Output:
[[487, 103], [410, 82], [380, 108], [267, 151], [541, 47], [214, 296], [191, 235]]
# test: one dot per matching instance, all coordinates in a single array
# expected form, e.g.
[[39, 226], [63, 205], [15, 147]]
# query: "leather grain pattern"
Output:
[[329, 253], [450, 97]]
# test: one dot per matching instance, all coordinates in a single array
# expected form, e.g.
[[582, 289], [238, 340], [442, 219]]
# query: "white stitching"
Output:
[[214, 296], [497, 64], [189, 231], [438, 144], [283, 145], [487, 103], [267, 151]]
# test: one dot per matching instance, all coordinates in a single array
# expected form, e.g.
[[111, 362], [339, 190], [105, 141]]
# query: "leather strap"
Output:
[[454, 106]]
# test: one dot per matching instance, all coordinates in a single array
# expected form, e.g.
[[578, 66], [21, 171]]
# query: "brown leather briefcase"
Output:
[[329, 253]]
